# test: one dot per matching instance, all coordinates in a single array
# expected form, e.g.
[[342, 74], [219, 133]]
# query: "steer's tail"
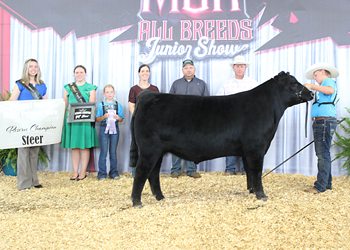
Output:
[[134, 154]]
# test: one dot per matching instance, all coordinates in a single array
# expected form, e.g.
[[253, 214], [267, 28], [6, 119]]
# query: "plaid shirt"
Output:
[[234, 86]]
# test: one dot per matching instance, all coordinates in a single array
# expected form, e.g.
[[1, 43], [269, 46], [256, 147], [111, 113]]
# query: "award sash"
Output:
[[76, 92], [79, 97], [32, 90]]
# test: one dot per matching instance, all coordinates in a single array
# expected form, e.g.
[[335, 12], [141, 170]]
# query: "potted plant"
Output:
[[344, 144], [8, 159], [8, 156]]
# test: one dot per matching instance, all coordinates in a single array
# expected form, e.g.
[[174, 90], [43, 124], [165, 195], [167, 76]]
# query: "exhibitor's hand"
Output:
[[309, 86]]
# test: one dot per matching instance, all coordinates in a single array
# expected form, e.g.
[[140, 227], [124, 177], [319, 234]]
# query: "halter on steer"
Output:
[[298, 94]]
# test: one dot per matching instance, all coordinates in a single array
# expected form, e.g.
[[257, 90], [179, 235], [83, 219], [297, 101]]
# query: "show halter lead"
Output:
[[296, 153]]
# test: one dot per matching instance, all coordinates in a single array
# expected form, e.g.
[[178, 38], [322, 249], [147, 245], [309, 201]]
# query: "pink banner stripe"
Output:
[[1, 50], [5, 18], [6, 46]]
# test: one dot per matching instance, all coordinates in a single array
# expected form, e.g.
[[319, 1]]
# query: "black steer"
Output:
[[197, 128]]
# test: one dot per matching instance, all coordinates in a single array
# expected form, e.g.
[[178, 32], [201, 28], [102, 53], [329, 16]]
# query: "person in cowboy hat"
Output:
[[238, 83], [189, 84], [323, 114]]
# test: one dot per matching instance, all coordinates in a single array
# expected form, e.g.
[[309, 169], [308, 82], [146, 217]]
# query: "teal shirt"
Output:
[[99, 112], [325, 110]]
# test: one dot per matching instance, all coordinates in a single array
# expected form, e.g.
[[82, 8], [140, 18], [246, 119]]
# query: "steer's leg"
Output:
[[255, 167], [154, 181], [144, 166], [249, 176]]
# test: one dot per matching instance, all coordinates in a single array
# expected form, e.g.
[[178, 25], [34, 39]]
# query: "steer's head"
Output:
[[296, 92]]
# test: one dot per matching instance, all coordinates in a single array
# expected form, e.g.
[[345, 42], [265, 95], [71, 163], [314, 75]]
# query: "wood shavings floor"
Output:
[[213, 212]]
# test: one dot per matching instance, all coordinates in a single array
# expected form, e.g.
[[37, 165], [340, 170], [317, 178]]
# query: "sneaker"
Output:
[[174, 175], [239, 173], [102, 179], [227, 174], [115, 178], [196, 175]]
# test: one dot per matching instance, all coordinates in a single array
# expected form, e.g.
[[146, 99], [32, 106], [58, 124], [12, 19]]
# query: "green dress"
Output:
[[79, 134]]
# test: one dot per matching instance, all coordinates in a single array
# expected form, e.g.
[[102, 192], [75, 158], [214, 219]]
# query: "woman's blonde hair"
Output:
[[108, 86], [25, 74]]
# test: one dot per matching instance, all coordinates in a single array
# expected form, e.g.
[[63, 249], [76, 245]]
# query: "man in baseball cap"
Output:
[[189, 84], [187, 61]]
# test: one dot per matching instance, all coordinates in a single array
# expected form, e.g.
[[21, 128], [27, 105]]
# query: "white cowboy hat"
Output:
[[319, 66], [239, 60]]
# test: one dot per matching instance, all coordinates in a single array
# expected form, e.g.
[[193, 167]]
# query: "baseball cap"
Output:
[[187, 61]]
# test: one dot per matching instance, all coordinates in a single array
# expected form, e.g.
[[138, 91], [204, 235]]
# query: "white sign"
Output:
[[31, 123]]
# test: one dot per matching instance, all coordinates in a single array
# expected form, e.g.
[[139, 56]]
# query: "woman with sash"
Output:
[[79, 136], [29, 87]]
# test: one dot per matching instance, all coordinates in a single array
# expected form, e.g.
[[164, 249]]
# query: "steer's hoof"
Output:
[[159, 197], [263, 198], [137, 204]]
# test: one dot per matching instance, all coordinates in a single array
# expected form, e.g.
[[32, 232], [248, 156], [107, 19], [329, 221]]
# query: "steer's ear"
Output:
[[282, 77], [282, 73]]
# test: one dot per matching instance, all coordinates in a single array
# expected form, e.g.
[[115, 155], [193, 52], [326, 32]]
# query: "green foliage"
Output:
[[5, 97], [344, 144], [7, 155], [11, 154], [43, 157]]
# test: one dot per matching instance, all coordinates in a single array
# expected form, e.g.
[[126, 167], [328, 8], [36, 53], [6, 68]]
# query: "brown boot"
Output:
[[311, 190], [174, 175], [196, 175]]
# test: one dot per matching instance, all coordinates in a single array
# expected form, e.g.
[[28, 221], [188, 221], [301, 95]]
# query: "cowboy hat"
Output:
[[239, 60], [319, 66]]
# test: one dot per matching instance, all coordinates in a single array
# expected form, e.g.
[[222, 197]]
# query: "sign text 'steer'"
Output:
[[32, 140]]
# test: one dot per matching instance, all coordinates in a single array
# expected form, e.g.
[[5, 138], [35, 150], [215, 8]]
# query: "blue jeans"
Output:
[[323, 132], [112, 140], [176, 168], [231, 164]]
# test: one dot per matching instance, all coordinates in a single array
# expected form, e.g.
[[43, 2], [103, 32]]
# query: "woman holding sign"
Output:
[[79, 136], [29, 87]]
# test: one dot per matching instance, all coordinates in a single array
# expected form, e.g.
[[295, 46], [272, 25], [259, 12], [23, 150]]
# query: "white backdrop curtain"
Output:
[[117, 64]]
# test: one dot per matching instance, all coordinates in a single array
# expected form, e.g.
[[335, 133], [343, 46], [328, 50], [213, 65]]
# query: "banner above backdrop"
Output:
[[31, 123]]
